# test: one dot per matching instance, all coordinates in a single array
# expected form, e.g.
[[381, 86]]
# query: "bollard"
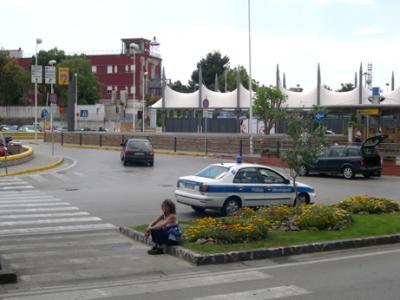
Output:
[[174, 143], [278, 149], [80, 139], [62, 138], [241, 148], [100, 140]]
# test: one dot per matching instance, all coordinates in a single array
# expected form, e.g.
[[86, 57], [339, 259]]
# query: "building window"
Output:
[[126, 68], [133, 67], [109, 89], [94, 69], [109, 69], [115, 69], [132, 89]]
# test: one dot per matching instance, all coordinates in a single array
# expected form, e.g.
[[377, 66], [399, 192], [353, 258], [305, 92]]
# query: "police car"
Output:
[[229, 186]]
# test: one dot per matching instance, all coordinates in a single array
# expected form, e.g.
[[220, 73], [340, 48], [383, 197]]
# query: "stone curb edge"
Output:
[[235, 256], [49, 166], [7, 274], [115, 148]]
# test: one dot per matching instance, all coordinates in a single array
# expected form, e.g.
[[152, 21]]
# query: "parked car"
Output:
[[349, 160], [229, 186], [137, 150], [10, 128], [27, 128]]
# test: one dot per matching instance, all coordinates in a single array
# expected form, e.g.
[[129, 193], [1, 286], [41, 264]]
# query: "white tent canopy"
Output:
[[306, 99]]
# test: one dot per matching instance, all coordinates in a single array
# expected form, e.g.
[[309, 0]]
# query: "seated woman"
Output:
[[164, 230]]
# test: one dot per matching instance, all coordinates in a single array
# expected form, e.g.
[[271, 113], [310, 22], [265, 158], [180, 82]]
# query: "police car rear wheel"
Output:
[[231, 205], [302, 198]]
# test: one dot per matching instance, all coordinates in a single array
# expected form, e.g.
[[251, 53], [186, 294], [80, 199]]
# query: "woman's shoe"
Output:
[[155, 251]]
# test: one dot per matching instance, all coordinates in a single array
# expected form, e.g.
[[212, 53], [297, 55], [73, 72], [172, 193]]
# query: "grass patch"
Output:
[[363, 226]]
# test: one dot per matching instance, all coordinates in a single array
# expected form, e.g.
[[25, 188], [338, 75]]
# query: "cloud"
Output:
[[361, 2], [369, 30]]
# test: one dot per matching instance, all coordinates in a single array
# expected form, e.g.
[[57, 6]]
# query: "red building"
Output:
[[115, 72]]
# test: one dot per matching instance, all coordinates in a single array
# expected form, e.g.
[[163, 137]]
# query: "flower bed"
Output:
[[253, 224]]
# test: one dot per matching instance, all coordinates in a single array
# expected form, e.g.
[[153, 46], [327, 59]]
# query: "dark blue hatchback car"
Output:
[[137, 151]]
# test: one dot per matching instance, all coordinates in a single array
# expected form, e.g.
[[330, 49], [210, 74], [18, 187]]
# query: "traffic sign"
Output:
[[368, 111], [44, 113], [36, 74], [207, 114], [319, 116], [84, 113], [206, 103], [53, 98], [50, 74], [63, 76]]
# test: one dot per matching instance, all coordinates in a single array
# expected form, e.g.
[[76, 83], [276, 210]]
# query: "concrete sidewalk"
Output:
[[42, 160]]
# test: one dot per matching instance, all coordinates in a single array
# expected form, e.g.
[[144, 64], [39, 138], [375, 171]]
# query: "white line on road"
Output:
[[25, 197], [34, 204], [42, 209], [12, 183], [61, 176], [31, 216], [29, 200], [55, 229], [262, 294], [20, 193], [50, 221], [150, 287], [37, 177], [6, 188]]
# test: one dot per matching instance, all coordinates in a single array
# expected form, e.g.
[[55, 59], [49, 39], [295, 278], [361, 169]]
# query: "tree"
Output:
[[180, 87], [308, 138], [14, 81], [346, 87], [269, 106], [213, 64], [231, 76], [88, 85]]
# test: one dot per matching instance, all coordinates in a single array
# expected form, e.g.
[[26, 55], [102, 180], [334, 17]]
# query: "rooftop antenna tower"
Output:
[[368, 79]]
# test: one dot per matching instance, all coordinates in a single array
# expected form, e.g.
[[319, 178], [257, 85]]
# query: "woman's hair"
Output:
[[170, 205]]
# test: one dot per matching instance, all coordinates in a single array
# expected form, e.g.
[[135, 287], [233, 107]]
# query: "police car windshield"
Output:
[[212, 172]]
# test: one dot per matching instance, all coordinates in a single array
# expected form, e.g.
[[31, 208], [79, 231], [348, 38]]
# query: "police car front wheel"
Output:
[[231, 205], [302, 198]]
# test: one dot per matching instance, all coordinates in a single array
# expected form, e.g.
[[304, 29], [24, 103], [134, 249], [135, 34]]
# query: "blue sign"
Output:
[[319, 116], [44, 113], [84, 113], [376, 91]]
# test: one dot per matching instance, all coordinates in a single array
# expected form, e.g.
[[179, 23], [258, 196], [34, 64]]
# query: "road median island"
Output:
[[369, 221]]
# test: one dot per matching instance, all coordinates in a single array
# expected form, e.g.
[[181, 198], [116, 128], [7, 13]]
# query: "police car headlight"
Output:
[[203, 188]]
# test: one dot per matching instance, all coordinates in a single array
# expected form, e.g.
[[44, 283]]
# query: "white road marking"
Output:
[[261, 294], [29, 200], [49, 221], [56, 229], [43, 209], [31, 216], [149, 287], [34, 204], [12, 183], [25, 197], [60, 176], [37, 177], [21, 193], [78, 174], [6, 188]]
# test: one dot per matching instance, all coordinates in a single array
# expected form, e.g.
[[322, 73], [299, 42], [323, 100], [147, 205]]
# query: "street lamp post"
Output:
[[76, 101], [250, 86], [51, 63], [38, 41], [226, 67], [143, 102], [133, 47]]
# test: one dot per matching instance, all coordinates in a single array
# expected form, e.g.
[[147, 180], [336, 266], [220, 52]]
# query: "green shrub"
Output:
[[363, 204], [321, 217]]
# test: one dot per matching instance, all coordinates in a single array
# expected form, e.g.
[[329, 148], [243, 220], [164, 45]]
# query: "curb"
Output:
[[50, 166], [115, 148], [7, 275], [235, 256]]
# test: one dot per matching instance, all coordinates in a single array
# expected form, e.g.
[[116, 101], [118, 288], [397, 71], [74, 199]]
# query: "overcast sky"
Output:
[[297, 34]]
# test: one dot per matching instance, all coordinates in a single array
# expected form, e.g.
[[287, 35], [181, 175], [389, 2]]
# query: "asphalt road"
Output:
[[106, 265], [96, 180]]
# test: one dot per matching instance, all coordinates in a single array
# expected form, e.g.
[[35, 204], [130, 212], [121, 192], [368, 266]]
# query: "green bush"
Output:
[[363, 204], [321, 217]]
